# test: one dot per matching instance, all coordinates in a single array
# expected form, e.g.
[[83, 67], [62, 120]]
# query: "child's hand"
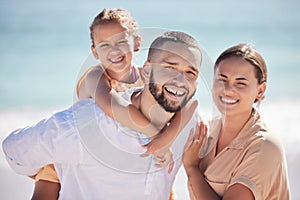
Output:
[[191, 155], [163, 158], [169, 134], [158, 142]]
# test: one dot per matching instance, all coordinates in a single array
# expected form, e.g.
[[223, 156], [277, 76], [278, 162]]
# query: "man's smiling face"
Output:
[[174, 74]]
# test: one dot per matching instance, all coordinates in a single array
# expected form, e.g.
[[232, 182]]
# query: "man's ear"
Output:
[[145, 72], [93, 49], [137, 43]]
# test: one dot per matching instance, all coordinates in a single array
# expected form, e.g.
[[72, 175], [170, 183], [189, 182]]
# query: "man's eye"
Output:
[[191, 73], [169, 67]]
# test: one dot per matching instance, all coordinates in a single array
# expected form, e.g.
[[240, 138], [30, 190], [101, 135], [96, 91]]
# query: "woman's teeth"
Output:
[[229, 101]]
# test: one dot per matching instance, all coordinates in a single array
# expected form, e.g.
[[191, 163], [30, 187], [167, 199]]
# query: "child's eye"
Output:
[[102, 45], [122, 42]]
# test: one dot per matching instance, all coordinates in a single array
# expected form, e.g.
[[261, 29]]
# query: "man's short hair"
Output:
[[172, 36]]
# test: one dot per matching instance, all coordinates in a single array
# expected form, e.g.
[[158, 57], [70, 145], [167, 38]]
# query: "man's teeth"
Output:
[[175, 92], [229, 101]]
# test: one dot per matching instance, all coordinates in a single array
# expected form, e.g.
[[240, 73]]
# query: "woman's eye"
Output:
[[241, 84]]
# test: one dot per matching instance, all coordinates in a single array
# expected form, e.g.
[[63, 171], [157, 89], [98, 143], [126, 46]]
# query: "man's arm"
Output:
[[49, 141], [28, 149]]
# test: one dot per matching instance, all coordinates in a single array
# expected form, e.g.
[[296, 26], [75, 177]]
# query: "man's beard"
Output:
[[169, 106]]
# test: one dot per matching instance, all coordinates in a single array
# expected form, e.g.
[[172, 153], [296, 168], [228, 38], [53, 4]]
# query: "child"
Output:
[[114, 39]]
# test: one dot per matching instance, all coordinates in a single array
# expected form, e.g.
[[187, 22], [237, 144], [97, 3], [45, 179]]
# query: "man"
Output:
[[97, 158]]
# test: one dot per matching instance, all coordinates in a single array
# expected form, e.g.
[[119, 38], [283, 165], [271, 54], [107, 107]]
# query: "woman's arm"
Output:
[[199, 188]]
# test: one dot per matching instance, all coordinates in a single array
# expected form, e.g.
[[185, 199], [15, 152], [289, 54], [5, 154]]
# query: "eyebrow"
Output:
[[238, 79], [176, 63]]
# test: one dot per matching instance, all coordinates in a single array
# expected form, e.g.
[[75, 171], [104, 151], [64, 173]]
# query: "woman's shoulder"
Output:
[[267, 144]]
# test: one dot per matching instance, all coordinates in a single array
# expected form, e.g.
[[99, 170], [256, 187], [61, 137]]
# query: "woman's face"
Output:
[[235, 86]]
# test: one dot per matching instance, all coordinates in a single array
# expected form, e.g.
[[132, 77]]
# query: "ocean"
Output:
[[45, 45]]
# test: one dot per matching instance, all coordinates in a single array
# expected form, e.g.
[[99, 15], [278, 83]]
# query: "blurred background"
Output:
[[44, 44]]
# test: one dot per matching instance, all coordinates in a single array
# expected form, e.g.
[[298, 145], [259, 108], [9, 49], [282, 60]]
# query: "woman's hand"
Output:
[[191, 155]]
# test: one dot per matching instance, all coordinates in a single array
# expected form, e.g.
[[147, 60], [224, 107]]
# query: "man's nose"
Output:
[[179, 77]]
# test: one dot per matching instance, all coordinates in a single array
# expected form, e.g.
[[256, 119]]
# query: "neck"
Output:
[[146, 103], [126, 76], [231, 127], [233, 124]]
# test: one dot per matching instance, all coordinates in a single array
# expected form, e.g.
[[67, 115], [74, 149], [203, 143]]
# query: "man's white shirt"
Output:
[[94, 156]]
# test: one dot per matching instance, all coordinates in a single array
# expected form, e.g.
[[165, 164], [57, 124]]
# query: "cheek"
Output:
[[217, 87], [162, 76], [215, 95], [102, 57], [102, 52], [217, 90], [193, 86], [126, 48], [249, 94]]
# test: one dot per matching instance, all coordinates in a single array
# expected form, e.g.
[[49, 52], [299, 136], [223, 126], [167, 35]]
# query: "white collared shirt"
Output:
[[95, 157]]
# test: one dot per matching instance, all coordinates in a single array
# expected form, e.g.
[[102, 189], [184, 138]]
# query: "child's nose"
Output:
[[115, 50]]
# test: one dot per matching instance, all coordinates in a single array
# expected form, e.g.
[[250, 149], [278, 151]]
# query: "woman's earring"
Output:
[[257, 107]]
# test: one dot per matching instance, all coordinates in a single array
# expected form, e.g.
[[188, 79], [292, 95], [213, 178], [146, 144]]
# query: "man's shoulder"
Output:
[[83, 103], [82, 109]]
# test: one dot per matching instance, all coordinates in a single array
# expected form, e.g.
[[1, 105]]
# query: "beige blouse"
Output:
[[255, 159]]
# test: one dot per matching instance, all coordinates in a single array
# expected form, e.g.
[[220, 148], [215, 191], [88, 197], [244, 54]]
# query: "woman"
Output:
[[246, 161]]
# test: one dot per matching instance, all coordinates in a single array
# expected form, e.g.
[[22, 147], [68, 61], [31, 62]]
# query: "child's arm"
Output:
[[129, 115], [45, 190], [169, 134], [164, 157], [47, 184], [88, 82], [98, 87]]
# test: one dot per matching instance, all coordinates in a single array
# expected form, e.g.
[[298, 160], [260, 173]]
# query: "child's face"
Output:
[[113, 47]]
